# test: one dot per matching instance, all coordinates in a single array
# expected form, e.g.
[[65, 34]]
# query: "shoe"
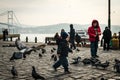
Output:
[[97, 56], [55, 69], [67, 72], [93, 57]]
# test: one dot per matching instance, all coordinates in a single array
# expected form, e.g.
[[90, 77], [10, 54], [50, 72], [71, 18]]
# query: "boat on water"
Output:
[[82, 33]]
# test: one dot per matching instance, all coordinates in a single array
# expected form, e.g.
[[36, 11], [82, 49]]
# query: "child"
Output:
[[62, 52]]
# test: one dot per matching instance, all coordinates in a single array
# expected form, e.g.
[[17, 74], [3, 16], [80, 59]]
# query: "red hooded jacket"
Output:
[[91, 31]]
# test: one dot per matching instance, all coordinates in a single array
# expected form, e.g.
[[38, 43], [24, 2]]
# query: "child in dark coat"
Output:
[[62, 52]]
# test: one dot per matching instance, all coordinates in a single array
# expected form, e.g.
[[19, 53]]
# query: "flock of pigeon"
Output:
[[97, 63], [34, 74], [86, 61]]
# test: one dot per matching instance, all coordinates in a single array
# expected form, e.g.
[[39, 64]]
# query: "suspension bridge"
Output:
[[9, 21]]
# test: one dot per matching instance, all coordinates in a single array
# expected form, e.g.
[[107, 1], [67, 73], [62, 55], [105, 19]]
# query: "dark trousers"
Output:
[[119, 43], [4, 38], [94, 47], [62, 61], [72, 45], [106, 45]]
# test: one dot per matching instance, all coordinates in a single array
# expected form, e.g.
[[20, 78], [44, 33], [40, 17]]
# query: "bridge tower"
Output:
[[10, 21]]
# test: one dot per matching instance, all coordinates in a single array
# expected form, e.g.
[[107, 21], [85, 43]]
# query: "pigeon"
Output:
[[52, 51], [70, 50], [76, 60], [43, 51], [117, 61], [95, 62], [104, 65], [33, 47], [16, 55], [12, 58], [40, 55], [35, 75], [54, 57], [86, 61], [117, 67], [103, 78], [77, 50], [14, 72], [54, 48], [24, 55]]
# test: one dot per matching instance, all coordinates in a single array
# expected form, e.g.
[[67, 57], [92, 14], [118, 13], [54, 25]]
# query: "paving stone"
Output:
[[44, 66]]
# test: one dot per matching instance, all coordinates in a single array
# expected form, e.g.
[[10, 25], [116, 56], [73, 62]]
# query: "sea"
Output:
[[31, 37], [49, 31], [40, 37]]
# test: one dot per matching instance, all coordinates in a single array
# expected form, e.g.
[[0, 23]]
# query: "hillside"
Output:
[[56, 28]]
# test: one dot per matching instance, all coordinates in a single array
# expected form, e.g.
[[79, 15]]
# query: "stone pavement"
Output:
[[44, 66]]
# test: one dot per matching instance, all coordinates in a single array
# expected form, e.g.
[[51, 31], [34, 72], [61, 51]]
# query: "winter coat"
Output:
[[72, 34], [63, 49], [107, 35], [64, 35], [92, 32]]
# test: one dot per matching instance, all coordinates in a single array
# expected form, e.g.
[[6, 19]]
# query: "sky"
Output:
[[47, 12]]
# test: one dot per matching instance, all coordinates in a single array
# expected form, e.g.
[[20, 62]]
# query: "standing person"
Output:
[[94, 32], [63, 53], [72, 37], [107, 37], [57, 38], [77, 39], [4, 35]]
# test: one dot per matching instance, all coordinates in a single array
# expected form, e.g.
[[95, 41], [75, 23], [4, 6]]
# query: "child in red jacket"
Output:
[[94, 32]]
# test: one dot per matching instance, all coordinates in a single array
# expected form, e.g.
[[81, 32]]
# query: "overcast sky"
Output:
[[47, 12]]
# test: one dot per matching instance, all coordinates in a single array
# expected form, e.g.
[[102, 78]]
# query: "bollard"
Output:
[[10, 38], [101, 44], [19, 38], [35, 39], [45, 40], [26, 39], [119, 39]]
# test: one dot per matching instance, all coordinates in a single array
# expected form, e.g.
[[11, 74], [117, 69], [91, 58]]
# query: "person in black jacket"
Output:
[[72, 37], [107, 37], [62, 52], [4, 35]]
